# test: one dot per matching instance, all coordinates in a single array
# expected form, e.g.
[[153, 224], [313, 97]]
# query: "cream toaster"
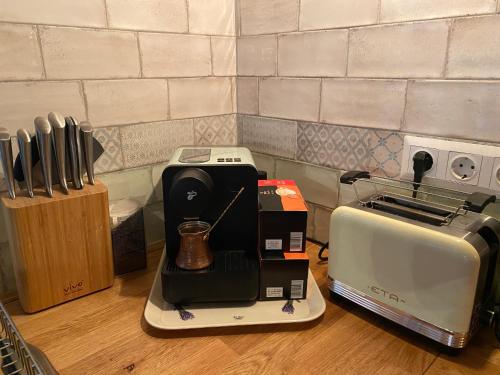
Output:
[[431, 267]]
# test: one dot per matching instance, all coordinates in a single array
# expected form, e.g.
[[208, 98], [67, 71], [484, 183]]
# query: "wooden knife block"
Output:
[[60, 246]]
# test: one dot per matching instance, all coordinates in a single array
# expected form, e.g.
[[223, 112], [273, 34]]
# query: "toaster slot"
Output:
[[411, 209]]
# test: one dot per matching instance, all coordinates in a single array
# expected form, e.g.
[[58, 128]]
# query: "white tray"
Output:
[[162, 315]]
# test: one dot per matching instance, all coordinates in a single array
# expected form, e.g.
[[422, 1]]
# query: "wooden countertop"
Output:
[[105, 333]]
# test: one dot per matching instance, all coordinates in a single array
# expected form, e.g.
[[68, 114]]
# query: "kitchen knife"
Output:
[[59, 141], [43, 141], [73, 141], [25, 153], [7, 161], [87, 139]]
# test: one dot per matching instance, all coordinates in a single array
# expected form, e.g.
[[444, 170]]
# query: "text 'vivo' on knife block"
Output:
[[60, 246]]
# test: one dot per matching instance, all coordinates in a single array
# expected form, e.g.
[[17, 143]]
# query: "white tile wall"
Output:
[[20, 56], [454, 109], [363, 102], [83, 53], [196, 97], [126, 101], [320, 53], [290, 98], [321, 14], [56, 12], [21, 102], [248, 95], [402, 50], [175, 55], [152, 15], [405, 10], [256, 55], [265, 16], [474, 50], [224, 56], [214, 17]]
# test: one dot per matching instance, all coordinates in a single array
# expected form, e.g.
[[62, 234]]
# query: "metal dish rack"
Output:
[[18, 357]]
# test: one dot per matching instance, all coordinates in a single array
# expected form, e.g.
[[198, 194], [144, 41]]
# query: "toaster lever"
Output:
[[477, 202], [352, 176]]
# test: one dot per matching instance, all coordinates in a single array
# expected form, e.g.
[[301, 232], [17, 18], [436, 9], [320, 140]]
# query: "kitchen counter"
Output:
[[105, 333]]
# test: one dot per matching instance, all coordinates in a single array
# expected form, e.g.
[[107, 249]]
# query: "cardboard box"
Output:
[[282, 217], [284, 276]]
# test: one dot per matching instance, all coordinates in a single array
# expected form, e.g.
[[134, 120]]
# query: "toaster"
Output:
[[428, 263]]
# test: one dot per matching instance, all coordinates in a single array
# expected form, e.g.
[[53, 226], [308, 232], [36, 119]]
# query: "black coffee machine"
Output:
[[198, 184]]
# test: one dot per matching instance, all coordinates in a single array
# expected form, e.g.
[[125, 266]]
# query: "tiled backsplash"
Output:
[[312, 87]]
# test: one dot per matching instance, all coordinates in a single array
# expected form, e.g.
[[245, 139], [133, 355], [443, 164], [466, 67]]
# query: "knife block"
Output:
[[60, 246]]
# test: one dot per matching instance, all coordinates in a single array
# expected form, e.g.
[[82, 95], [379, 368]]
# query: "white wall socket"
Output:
[[462, 163]]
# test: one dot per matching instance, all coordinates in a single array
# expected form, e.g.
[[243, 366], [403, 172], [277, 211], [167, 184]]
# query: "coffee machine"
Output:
[[199, 183]]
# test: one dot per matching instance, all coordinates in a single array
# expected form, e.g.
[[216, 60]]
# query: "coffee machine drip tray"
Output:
[[233, 276], [163, 315]]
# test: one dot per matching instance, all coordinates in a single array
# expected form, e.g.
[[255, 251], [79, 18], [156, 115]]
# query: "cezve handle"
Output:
[[43, 140], [59, 141], [25, 153], [86, 132], [7, 161]]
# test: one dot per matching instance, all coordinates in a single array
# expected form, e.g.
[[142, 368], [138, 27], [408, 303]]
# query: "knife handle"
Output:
[[73, 155], [25, 153], [87, 139], [59, 142], [7, 161], [43, 140]]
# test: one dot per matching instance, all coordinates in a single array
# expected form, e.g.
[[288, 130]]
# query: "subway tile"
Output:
[[171, 55], [126, 101], [318, 185], [129, 184], [474, 49], [197, 97], [321, 14], [264, 16], [7, 278], [386, 151], [20, 57], [157, 171], [363, 102], [154, 142], [23, 101], [153, 15], [265, 163], [234, 95], [322, 224], [406, 10], [313, 54], [269, 136], [224, 56], [290, 98], [215, 130], [55, 12], [248, 95], [333, 146], [84, 53], [257, 55], [403, 50], [154, 223], [111, 159], [461, 109], [213, 17]]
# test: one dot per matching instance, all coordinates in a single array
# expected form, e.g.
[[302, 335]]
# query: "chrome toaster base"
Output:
[[456, 340]]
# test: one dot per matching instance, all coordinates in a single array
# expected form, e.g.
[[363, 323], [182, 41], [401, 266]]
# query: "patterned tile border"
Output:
[[216, 130], [112, 158], [386, 150], [269, 136]]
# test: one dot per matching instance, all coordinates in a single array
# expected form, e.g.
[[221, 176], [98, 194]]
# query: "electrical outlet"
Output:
[[473, 164], [435, 157], [495, 176], [464, 168]]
